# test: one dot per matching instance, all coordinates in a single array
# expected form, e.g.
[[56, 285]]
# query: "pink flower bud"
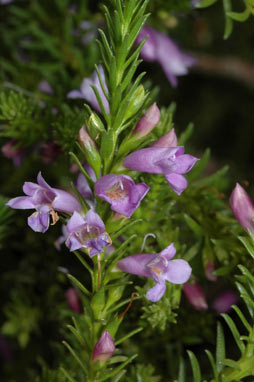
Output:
[[73, 300], [195, 296], [242, 207], [10, 151], [223, 303], [150, 119], [85, 140], [104, 348], [167, 140], [209, 269]]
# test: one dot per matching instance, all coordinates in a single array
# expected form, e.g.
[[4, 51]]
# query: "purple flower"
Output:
[[121, 192], [150, 119], [159, 47], [242, 207], [195, 296], [87, 232], [159, 268], [223, 303], [87, 93], [172, 162], [11, 151], [46, 200], [73, 300], [104, 348], [45, 87]]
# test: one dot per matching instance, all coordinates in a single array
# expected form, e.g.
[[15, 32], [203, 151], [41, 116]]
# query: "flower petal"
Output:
[[177, 182], [65, 202], [75, 222], [184, 163], [155, 294], [30, 188], [21, 202], [178, 272], [136, 264], [75, 94], [93, 219], [39, 221], [73, 243], [169, 252]]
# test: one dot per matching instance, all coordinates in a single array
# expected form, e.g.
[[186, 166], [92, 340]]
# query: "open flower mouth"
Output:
[[117, 191], [87, 233]]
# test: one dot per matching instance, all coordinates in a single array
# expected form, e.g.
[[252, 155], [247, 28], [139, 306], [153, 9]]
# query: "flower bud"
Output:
[[104, 348], [150, 119], [242, 207], [11, 151], [209, 269], [73, 300], [223, 303], [90, 150], [135, 102], [195, 296], [167, 140]]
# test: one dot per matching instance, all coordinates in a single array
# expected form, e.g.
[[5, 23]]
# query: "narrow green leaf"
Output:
[[125, 227], [184, 137], [106, 44], [200, 166], [220, 348], [212, 362], [79, 285], [132, 333], [119, 376], [242, 318], [235, 332], [247, 244], [116, 370], [181, 371], [194, 226], [195, 367], [82, 365], [100, 102], [66, 374], [212, 179]]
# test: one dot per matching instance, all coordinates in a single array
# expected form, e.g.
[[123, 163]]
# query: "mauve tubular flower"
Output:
[[223, 303], [209, 269], [158, 267], [45, 87], [87, 232], [46, 200], [171, 162], [10, 151], [195, 295], [121, 192], [73, 300], [150, 119], [242, 207], [160, 48], [104, 348], [87, 93]]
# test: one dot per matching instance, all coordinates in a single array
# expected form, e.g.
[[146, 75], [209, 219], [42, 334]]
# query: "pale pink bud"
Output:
[[104, 348], [223, 303], [49, 151], [85, 140], [11, 151], [73, 300], [209, 269], [195, 296], [167, 140], [242, 207], [150, 119]]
